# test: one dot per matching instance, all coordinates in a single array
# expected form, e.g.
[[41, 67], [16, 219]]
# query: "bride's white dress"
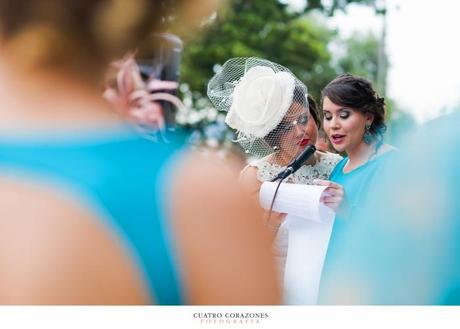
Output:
[[305, 175]]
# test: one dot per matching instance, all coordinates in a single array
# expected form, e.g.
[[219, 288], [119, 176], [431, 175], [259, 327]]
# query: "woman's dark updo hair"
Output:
[[358, 94]]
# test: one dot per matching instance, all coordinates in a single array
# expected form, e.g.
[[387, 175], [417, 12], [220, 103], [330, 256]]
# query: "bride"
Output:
[[275, 119]]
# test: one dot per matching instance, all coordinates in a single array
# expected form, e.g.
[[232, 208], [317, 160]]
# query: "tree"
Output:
[[269, 29], [331, 6], [359, 56], [261, 28]]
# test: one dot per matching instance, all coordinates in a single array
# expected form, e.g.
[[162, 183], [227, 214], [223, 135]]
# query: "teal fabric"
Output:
[[358, 185], [402, 247], [359, 182], [123, 178]]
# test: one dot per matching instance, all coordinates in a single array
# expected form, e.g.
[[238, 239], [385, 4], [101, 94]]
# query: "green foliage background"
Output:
[[299, 40], [269, 29]]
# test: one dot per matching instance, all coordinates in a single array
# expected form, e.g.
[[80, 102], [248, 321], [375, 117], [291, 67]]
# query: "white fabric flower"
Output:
[[260, 100]]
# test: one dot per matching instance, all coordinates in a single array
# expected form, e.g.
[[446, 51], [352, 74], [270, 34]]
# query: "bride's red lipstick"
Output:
[[304, 142]]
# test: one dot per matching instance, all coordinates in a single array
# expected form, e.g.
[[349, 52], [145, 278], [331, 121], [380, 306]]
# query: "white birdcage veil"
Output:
[[264, 102]]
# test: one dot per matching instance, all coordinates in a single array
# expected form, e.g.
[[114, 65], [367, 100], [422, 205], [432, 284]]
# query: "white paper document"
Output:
[[309, 225], [298, 200]]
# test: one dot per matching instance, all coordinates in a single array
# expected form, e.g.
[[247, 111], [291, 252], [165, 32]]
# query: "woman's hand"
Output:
[[333, 196]]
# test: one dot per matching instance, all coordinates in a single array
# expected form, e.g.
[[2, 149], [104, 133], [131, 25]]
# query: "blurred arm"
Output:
[[252, 185], [223, 244], [53, 251]]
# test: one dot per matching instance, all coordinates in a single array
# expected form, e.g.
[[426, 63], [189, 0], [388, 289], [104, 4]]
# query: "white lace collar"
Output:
[[305, 175]]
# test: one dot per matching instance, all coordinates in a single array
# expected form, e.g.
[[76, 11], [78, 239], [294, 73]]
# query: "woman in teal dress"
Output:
[[353, 119], [402, 246], [91, 213]]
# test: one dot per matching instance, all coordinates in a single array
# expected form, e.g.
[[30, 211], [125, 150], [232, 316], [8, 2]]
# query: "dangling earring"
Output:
[[367, 134]]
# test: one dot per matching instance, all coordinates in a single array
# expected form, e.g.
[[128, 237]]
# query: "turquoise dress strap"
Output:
[[124, 179]]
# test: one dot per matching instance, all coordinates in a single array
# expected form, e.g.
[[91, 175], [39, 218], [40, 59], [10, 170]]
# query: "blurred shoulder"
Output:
[[58, 244], [206, 169], [387, 148], [219, 230], [249, 178], [386, 151]]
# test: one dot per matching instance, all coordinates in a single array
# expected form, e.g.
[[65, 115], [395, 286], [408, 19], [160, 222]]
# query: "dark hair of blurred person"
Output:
[[91, 212]]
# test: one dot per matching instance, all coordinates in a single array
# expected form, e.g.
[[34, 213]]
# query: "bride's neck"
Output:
[[283, 160]]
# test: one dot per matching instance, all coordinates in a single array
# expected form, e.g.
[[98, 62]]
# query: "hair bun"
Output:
[[380, 101]]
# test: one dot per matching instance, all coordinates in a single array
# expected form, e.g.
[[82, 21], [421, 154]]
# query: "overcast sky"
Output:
[[423, 49]]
